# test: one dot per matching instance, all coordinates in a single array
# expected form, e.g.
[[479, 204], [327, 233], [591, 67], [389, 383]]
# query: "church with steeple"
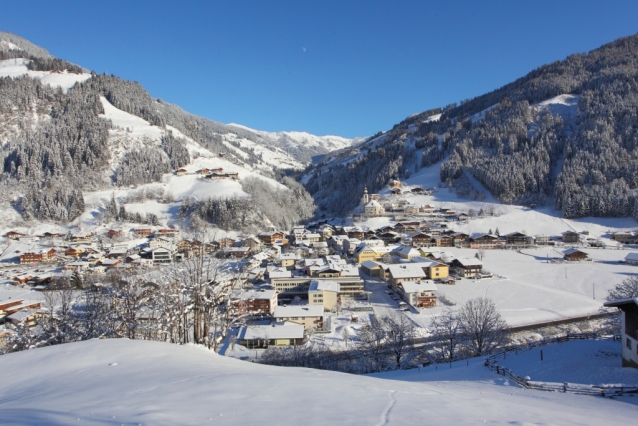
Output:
[[371, 206]]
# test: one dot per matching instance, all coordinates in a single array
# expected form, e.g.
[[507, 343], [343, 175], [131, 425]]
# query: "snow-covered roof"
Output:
[[79, 264], [407, 271], [118, 250], [289, 256], [21, 315], [423, 262], [280, 274], [418, 286], [573, 250], [621, 302], [370, 264], [373, 203], [255, 294], [469, 261], [315, 262], [407, 251], [349, 271], [298, 311], [632, 256], [325, 285], [279, 330]]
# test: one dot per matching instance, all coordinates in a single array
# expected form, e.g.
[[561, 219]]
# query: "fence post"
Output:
[[565, 387]]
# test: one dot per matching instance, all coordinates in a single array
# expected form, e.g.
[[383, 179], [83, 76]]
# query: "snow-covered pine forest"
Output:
[[523, 142], [59, 142]]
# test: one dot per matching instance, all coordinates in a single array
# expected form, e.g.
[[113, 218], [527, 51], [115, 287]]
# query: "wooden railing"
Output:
[[565, 387]]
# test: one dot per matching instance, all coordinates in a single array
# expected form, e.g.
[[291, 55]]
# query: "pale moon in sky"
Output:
[[304, 49]]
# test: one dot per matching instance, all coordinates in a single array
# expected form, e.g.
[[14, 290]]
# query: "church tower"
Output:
[[365, 199]]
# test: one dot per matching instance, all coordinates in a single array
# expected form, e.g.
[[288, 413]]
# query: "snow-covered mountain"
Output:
[[302, 145], [562, 135], [101, 134]]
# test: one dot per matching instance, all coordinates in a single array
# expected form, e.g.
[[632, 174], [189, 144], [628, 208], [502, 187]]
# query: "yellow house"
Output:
[[324, 293], [433, 270], [365, 253], [437, 271]]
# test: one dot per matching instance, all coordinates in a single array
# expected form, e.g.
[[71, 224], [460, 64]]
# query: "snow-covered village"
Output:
[[474, 263]]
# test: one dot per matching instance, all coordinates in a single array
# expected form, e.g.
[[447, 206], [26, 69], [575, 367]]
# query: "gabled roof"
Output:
[[280, 274], [406, 271], [298, 311], [469, 261], [283, 330], [407, 250], [370, 264], [621, 302], [325, 285], [417, 286], [426, 263], [515, 234], [573, 250], [632, 256]]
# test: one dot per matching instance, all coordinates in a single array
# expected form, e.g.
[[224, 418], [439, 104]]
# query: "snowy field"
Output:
[[527, 289], [534, 285], [109, 382], [592, 362], [18, 67]]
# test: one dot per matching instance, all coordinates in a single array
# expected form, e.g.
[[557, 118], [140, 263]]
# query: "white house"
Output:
[[632, 258], [274, 334], [402, 273], [164, 254], [629, 330], [310, 316], [419, 294], [159, 242], [408, 252], [373, 208]]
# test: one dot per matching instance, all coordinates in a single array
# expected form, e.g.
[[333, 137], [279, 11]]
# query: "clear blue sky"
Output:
[[327, 67]]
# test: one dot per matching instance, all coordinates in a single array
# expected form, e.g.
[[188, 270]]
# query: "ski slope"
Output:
[[117, 381]]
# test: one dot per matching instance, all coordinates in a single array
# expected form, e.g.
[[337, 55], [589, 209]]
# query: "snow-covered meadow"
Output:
[[18, 67], [117, 381], [594, 362]]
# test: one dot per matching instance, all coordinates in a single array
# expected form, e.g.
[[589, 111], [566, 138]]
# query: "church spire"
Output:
[[365, 198]]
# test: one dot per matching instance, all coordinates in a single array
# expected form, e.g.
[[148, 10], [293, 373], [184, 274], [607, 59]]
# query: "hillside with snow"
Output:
[[117, 381], [89, 136], [561, 136]]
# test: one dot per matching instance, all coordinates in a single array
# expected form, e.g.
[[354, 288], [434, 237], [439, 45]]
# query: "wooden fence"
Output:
[[576, 388]]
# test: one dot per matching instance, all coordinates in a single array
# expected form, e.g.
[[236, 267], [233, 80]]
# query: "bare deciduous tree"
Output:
[[372, 343], [400, 335], [447, 334], [482, 325]]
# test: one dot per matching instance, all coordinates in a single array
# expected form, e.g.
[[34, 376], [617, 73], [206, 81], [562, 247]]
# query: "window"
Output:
[[628, 343]]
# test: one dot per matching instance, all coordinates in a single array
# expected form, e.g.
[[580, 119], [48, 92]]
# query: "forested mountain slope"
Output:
[[581, 157], [64, 130]]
